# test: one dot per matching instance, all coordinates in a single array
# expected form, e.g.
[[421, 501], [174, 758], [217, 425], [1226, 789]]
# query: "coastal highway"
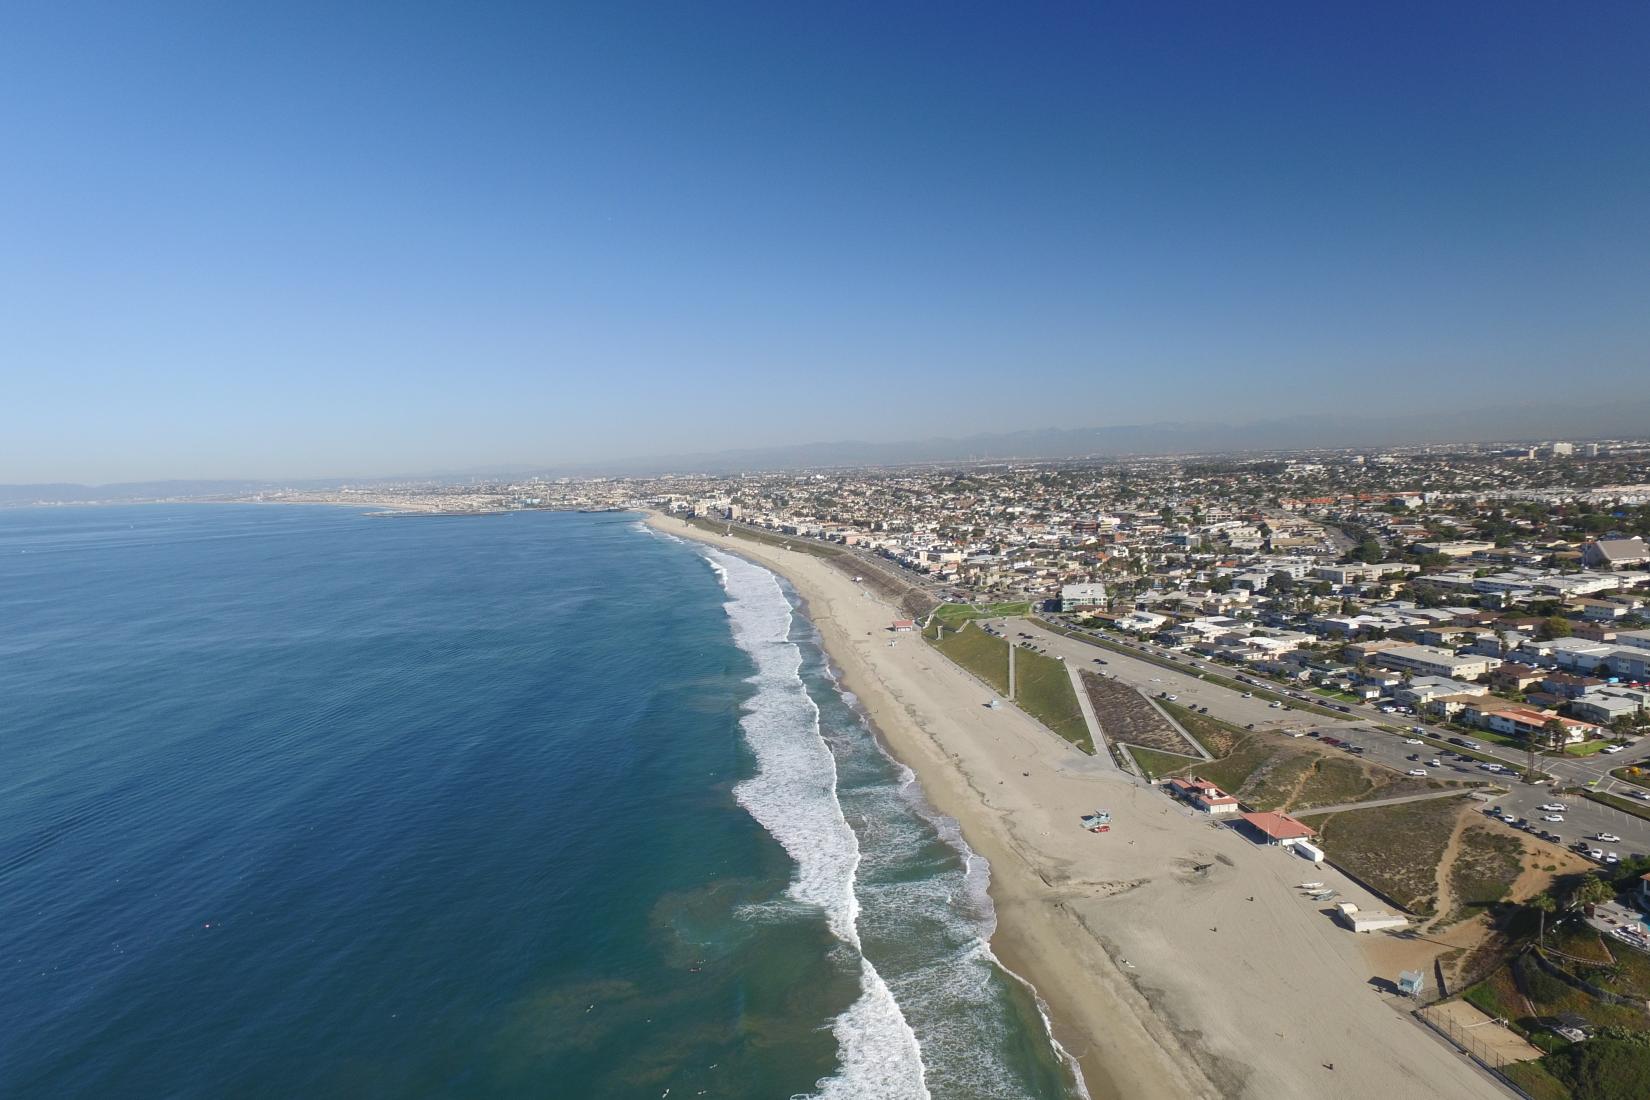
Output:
[[1582, 818]]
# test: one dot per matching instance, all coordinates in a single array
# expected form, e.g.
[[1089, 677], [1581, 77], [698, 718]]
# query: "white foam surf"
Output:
[[793, 795]]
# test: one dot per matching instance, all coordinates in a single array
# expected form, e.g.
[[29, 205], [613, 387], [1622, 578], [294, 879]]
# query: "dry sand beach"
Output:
[[1175, 957]]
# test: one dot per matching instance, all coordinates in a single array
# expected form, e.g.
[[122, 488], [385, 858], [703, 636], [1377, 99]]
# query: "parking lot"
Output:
[[1360, 731]]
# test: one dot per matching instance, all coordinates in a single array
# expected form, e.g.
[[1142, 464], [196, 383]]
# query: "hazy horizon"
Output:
[[301, 242]]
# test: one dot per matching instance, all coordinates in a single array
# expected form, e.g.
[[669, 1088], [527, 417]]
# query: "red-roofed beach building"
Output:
[[1202, 795]]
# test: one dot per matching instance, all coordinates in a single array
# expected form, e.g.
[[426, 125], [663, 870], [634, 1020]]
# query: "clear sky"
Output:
[[293, 239]]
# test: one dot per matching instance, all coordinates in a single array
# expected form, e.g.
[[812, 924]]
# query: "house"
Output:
[[1141, 622], [1611, 553], [1637, 639], [1202, 795], [1515, 720], [1276, 829], [1515, 677], [1422, 690], [1603, 708], [1634, 664], [1567, 685], [903, 626], [1602, 611], [1447, 706]]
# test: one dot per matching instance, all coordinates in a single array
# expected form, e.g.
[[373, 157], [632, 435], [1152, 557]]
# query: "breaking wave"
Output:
[[793, 795]]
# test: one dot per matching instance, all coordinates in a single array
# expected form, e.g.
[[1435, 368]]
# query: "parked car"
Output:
[[1554, 807], [1552, 817], [1435, 763], [1611, 749], [1413, 741], [1418, 772], [1608, 838]]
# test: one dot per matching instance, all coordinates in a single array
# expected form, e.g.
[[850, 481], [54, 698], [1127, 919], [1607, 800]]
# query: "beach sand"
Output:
[[1162, 976]]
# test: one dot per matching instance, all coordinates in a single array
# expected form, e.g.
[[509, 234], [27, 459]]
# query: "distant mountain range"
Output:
[[1531, 422], [1610, 418]]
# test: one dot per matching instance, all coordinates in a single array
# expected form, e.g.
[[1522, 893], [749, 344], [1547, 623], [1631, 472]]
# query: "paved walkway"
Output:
[[1195, 745], [1372, 803], [1102, 751]]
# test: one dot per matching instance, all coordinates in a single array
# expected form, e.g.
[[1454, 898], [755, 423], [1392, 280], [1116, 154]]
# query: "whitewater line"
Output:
[[877, 1049]]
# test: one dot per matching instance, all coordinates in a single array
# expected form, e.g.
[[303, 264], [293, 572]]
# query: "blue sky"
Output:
[[293, 240]]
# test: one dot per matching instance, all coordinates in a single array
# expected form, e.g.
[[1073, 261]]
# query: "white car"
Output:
[[1596, 853], [1418, 771], [1611, 749], [1554, 807], [1552, 817], [1248, 695], [1413, 741], [1608, 838], [1612, 858]]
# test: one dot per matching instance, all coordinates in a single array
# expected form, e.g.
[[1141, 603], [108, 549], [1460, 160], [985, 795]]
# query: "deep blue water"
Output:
[[298, 802]]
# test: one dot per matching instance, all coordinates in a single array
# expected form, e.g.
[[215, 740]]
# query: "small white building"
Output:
[[1367, 920]]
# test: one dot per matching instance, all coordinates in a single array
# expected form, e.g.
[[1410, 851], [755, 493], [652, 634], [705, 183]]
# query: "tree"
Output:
[[1543, 904], [1557, 734], [1591, 890], [1555, 626]]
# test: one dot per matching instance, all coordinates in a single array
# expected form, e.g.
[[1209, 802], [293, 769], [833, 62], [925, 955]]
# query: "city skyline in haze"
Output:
[[305, 242]]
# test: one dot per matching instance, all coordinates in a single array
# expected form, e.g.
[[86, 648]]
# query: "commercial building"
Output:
[[1082, 597]]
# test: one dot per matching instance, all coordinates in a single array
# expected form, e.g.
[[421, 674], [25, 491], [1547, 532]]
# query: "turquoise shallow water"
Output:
[[299, 802]]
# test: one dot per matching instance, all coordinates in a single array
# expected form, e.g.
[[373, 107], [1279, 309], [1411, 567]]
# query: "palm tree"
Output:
[[1591, 891], [1543, 904]]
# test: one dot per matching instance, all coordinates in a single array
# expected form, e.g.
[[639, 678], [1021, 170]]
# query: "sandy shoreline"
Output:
[[1161, 975]]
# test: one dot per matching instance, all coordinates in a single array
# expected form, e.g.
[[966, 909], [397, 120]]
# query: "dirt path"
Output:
[[1444, 908], [1286, 804]]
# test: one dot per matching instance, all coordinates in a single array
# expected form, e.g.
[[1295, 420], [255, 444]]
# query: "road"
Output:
[[1582, 818]]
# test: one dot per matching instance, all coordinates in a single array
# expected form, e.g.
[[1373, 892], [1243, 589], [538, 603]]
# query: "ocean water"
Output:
[[300, 802]]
